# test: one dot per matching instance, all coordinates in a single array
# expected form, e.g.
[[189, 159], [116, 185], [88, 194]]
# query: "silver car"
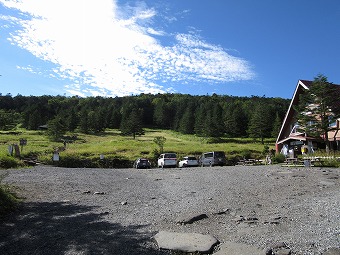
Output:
[[213, 158]]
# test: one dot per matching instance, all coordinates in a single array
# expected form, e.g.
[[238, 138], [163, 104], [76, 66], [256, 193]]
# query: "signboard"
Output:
[[296, 143], [55, 156], [23, 141]]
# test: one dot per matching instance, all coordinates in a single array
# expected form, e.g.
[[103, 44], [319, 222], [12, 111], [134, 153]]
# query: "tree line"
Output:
[[209, 116]]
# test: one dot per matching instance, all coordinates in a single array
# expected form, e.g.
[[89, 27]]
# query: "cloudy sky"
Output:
[[119, 47]]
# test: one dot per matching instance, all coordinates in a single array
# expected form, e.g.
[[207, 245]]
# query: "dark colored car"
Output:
[[142, 163]]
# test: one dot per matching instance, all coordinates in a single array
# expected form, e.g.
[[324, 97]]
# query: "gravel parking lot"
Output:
[[118, 211]]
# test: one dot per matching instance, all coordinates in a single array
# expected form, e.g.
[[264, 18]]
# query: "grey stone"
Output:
[[231, 248], [98, 193], [326, 183], [188, 219], [279, 245], [332, 251], [185, 242], [280, 248], [282, 251], [239, 218]]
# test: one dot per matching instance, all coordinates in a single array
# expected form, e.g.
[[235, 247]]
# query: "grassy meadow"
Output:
[[112, 144]]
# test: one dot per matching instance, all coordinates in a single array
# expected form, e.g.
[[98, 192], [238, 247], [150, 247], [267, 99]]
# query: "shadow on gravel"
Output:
[[64, 228]]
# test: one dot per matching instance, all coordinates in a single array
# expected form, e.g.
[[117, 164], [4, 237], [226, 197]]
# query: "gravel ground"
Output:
[[118, 211]]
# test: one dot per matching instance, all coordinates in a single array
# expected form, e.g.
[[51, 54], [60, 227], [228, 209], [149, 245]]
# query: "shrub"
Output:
[[8, 200], [279, 158], [10, 162], [328, 163], [246, 154], [86, 161]]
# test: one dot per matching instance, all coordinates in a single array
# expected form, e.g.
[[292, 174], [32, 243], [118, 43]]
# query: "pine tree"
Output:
[[132, 123], [276, 125], [56, 128], [236, 122], [187, 122], [318, 108], [259, 125]]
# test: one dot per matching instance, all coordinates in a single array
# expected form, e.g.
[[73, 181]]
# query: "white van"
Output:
[[167, 160]]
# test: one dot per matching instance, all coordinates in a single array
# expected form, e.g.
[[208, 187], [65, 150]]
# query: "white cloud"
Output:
[[104, 51]]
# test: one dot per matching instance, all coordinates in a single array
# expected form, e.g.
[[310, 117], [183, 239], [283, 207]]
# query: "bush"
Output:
[[246, 154], [328, 163], [279, 158], [8, 200], [85, 161], [10, 162]]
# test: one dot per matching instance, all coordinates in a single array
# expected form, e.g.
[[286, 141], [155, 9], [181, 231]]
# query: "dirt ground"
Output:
[[118, 211]]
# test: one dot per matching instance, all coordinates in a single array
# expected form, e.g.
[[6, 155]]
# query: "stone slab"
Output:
[[231, 248], [185, 242], [189, 219], [332, 251]]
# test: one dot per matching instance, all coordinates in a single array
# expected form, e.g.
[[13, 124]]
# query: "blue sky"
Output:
[[199, 47]]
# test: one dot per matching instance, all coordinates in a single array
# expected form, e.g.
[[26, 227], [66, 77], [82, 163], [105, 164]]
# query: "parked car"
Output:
[[141, 163], [167, 160], [213, 158], [188, 161]]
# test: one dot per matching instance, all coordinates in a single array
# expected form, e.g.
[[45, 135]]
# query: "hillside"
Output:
[[113, 145]]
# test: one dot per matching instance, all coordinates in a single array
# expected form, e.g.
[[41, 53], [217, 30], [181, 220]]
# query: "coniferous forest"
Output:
[[210, 116]]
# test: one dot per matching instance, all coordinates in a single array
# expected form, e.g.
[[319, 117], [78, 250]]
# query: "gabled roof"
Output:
[[301, 86]]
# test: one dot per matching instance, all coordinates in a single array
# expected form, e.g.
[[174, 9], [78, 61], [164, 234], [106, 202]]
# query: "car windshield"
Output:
[[170, 155], [219, 154], [144, 160], [192, 158]]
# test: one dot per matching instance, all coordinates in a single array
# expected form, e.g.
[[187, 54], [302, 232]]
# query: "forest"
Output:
[[209, 116]]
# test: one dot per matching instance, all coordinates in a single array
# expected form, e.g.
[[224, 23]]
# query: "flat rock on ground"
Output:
[[231, 248], [185, 242]]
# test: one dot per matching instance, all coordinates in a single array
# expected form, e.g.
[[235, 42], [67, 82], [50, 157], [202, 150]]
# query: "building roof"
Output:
[[301, 86]]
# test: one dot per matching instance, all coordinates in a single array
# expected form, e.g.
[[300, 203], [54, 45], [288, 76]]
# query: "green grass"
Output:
[[112, 145], [8, 200]]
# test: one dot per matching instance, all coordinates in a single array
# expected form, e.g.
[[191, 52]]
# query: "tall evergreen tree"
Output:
[[276, 125], [132, 123], [187, 119], [318, 108], [236, 122], [260, 123], [56, 128]]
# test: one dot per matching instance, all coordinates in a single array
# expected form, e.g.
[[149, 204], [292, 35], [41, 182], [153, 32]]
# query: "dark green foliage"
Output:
[[235, 121], [79, 161], [279, 158], [208, 116], [276, 125], [9, 119], [9, 162], [260, 122], [56, 128], [160, 141], [8, 201], [246, 154], [132, 122], [318, 108], [265, 150]]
